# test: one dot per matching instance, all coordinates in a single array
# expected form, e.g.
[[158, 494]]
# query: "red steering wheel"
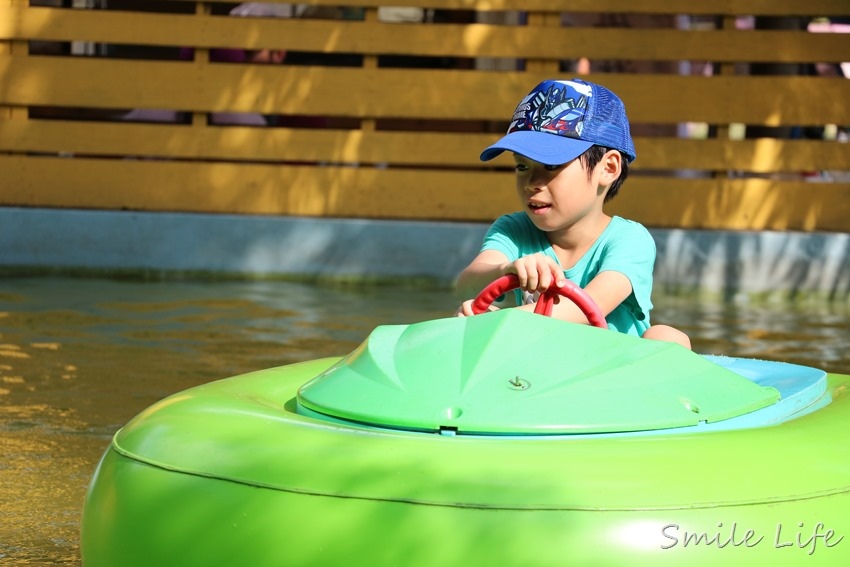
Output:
[[547, 299]]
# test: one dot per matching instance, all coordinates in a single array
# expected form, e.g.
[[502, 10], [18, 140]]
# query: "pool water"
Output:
[[80, 357]]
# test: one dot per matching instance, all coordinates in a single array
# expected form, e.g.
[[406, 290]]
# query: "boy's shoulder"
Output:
[[517, 220], [626, 233], [621, 224], [515, 235]]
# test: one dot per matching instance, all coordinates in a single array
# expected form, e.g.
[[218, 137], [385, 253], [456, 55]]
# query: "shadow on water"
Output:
[[79, 358]]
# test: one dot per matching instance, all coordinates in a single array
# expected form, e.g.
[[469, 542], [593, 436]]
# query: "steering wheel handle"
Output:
[[544, 305]]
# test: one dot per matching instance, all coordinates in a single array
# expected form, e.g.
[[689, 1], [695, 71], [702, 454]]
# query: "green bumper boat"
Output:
[[504, 439]]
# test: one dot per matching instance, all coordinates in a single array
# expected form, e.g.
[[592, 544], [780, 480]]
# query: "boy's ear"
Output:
[[612, 165]]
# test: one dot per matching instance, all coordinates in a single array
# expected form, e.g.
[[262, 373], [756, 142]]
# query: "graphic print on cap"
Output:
[[559, 109]]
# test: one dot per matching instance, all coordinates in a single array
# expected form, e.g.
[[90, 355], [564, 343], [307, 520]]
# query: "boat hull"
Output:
[[230, 474], [155, 517]]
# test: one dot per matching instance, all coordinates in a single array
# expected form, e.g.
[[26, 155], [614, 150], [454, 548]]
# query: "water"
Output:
[[79, 358]]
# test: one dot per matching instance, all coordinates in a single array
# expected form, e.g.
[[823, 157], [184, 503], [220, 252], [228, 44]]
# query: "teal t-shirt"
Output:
[[624, 246]]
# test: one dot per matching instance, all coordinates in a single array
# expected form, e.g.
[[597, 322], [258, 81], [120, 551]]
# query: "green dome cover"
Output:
[[512, 372]]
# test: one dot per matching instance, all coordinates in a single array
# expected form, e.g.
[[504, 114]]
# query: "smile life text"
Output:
[[803, 537]]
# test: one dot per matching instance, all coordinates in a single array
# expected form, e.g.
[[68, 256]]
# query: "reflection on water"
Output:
[[79, 358], [814, 334]]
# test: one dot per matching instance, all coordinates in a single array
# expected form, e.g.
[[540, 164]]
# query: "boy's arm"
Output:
[[608, 289], [536, 272], [486, 267]]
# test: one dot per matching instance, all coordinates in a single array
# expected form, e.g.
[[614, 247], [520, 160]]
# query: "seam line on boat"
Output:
[[479, 506]]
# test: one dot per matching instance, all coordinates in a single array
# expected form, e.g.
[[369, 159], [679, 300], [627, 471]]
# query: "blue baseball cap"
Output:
[[559, 120]]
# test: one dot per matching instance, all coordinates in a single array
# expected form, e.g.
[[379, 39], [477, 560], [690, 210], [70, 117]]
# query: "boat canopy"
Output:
[[510, 372]]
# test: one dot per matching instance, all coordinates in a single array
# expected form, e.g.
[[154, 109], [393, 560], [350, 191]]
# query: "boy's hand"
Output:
[[537, 272], [465, 309]]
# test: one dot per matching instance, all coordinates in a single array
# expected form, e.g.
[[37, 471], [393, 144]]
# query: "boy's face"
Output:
[[558, 197]]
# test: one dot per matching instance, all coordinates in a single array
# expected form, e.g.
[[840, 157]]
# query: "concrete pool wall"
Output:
[[180, 244]]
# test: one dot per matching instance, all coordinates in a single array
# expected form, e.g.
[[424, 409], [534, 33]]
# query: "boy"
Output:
[[572, 149]]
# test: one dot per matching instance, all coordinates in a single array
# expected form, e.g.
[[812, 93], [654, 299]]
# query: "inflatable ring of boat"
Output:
[[449, 443]]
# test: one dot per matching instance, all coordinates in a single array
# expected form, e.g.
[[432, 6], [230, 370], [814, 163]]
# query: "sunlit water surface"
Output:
[[79, 358]]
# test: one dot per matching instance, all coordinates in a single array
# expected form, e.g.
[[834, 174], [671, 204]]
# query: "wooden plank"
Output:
[[735, 204], [472, 40], [727, 204], [245, 144], [396, 148], [733, 7], [403, 93], [766, 155], [765, 100], [248, 189]]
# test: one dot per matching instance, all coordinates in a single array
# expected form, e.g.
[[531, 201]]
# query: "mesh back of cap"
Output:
[[607, 124]]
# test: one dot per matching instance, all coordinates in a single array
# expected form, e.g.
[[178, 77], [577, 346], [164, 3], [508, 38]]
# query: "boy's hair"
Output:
[[591, 158]]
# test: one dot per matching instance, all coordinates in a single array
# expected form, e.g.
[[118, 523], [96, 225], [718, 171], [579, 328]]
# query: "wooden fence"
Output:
[[381, 112]]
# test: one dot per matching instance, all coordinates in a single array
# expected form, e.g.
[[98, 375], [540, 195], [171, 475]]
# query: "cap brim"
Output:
[[548, 149]]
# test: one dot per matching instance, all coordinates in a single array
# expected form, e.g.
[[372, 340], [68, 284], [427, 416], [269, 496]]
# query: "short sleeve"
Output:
[[502, 236], [515, 236], [631, 251]]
